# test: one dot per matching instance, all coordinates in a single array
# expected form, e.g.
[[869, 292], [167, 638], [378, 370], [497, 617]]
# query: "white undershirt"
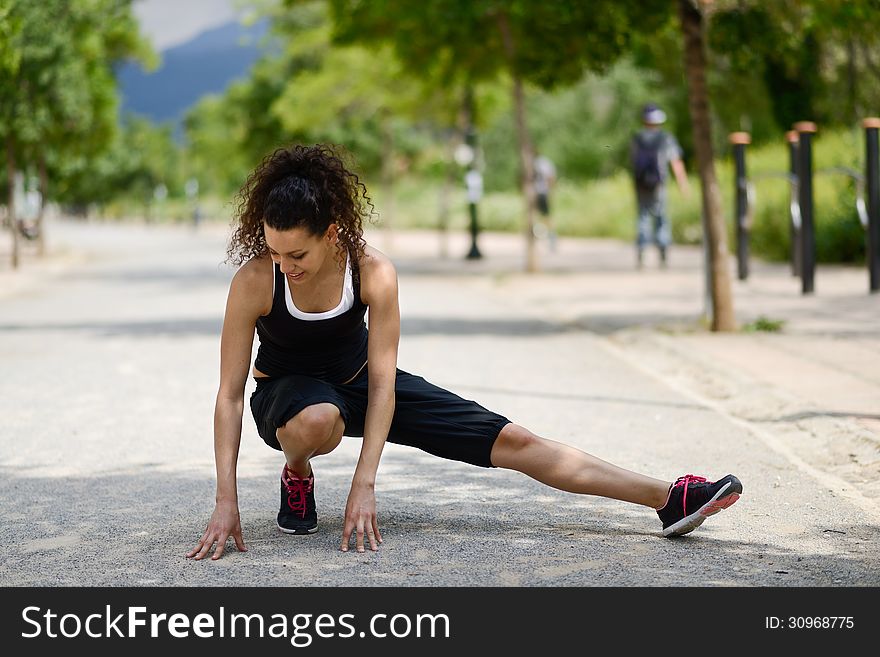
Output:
[[345, 303]]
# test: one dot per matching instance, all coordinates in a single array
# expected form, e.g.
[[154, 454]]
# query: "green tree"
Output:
[[59, 100], [218, 150], [140, 157], [228, 133], [362, 98], [789, 43], [467, 42], [11, 27], [775, 63], [307, 89], [585, 128]]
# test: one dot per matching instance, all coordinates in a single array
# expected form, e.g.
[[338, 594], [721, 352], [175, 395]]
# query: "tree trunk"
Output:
[[698, 102], [10, 180], [44, 188], [526, 158]]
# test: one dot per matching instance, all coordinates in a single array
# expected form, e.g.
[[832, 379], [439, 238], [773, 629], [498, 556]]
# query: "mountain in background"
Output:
[[205, 64]]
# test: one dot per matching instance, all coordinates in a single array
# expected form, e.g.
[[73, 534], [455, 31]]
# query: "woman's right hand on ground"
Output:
[[225, 522]]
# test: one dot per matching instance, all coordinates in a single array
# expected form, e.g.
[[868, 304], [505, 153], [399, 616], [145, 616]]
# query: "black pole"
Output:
[[471, 140], [741, 209], [805, 192], [794, 231], [872, 176], [474, 253]]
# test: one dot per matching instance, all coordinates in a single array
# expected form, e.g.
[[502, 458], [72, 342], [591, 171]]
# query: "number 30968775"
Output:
[[809, 623]]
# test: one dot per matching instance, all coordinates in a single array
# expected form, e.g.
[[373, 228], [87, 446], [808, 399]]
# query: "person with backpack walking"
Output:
[[306, 281], [652, 151]]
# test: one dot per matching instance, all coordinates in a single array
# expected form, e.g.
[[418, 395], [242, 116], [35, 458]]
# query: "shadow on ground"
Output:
[[187, 276], [132, 328], [445, 524]]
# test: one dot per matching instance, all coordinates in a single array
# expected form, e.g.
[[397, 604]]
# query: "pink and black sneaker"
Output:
[[692, 499], [298, 514]]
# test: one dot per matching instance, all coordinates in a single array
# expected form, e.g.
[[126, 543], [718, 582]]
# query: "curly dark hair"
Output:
[[300, 186]]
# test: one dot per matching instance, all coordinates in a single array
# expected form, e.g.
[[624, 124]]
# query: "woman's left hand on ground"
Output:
[[360, 517]]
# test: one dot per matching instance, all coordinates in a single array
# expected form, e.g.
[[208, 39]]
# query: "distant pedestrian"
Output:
[[652, 151], [197, 215], [307, 279], [545, 180], [192, 193]]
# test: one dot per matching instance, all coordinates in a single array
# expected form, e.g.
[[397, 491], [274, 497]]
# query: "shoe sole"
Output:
[[298, 532], [718, 503]]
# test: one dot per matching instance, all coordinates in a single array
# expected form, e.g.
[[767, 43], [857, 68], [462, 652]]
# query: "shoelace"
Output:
[[297, 489], [684, 481]]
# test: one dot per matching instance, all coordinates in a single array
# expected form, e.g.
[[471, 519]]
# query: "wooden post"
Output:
[[806, 130], [872, 184]]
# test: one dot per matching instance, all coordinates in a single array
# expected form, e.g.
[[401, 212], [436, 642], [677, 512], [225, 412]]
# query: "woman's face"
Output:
[[299, 253]]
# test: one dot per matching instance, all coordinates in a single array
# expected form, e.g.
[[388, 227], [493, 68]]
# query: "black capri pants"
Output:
[[425, 416]]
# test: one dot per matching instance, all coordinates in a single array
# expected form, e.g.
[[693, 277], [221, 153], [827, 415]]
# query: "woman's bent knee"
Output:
[[313, 425]]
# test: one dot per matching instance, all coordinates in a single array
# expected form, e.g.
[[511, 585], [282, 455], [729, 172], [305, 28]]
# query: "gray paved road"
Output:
[[109, 373]]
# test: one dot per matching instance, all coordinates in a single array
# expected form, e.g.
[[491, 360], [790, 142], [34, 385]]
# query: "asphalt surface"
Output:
[[110, 361]]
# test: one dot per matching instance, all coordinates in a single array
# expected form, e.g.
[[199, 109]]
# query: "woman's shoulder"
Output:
[[377, 273], [256, 271], [374, 263], [253, 282]]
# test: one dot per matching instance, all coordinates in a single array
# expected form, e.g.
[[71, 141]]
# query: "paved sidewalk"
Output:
[[816, 379], [106, 443], [812, 388]]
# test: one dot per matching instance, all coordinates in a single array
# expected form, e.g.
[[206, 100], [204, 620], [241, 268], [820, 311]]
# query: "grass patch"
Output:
[[764, 325]]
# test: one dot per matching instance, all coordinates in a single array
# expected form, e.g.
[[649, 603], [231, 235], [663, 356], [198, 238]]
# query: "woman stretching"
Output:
[[306, 280]]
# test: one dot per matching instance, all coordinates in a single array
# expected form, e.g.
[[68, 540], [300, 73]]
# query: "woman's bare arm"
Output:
[[379, 291], [245, 303]]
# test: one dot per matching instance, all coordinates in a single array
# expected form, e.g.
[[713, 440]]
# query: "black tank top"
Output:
[[332, 349]]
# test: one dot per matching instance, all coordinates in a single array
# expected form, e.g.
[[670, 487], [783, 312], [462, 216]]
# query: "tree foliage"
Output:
[[308, 89], [447, 39], [466, 42], [366, 74], [140, 157], [811, 59], [58, 103]]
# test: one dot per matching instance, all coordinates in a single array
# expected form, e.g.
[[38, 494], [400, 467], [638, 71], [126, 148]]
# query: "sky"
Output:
[[168, 23]]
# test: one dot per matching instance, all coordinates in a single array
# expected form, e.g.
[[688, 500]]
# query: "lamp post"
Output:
[[466, 155]]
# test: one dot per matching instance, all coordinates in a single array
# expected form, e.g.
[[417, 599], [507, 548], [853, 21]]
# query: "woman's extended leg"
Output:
[[569, 469], [682, 506]]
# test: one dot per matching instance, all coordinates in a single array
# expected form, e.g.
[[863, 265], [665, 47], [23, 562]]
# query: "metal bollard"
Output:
[[872, 177], [739, 140], [794, 223], [806, 130], [474, 185]]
